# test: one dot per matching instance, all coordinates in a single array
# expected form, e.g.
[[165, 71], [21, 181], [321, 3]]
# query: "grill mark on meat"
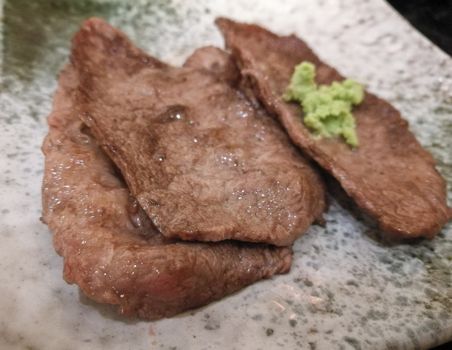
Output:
[[109, 245], [390, 176], [221, 169]]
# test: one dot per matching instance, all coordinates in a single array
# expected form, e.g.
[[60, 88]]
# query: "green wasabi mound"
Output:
[[327, 108]]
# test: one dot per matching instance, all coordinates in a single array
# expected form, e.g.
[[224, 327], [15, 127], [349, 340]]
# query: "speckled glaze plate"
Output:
[[346, 289]]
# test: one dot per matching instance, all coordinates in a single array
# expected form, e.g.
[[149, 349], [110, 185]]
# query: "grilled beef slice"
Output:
[[390, 176], [200, 159], [109, 245]]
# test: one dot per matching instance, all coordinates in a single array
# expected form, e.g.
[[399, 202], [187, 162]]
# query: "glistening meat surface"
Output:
[[390, 176], [200, 159], [110, 247]]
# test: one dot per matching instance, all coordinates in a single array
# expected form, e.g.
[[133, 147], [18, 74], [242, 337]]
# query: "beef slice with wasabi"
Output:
[[388, 174]]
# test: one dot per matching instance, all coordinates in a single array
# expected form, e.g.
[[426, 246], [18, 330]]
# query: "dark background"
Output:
[[433, 18]]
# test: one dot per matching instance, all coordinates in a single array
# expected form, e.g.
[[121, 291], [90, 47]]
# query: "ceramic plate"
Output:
[[346, 289]]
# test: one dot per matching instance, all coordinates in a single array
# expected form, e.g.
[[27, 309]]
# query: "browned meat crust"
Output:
[[390, 176], [110, 247], [216, 61], [201, 160]]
